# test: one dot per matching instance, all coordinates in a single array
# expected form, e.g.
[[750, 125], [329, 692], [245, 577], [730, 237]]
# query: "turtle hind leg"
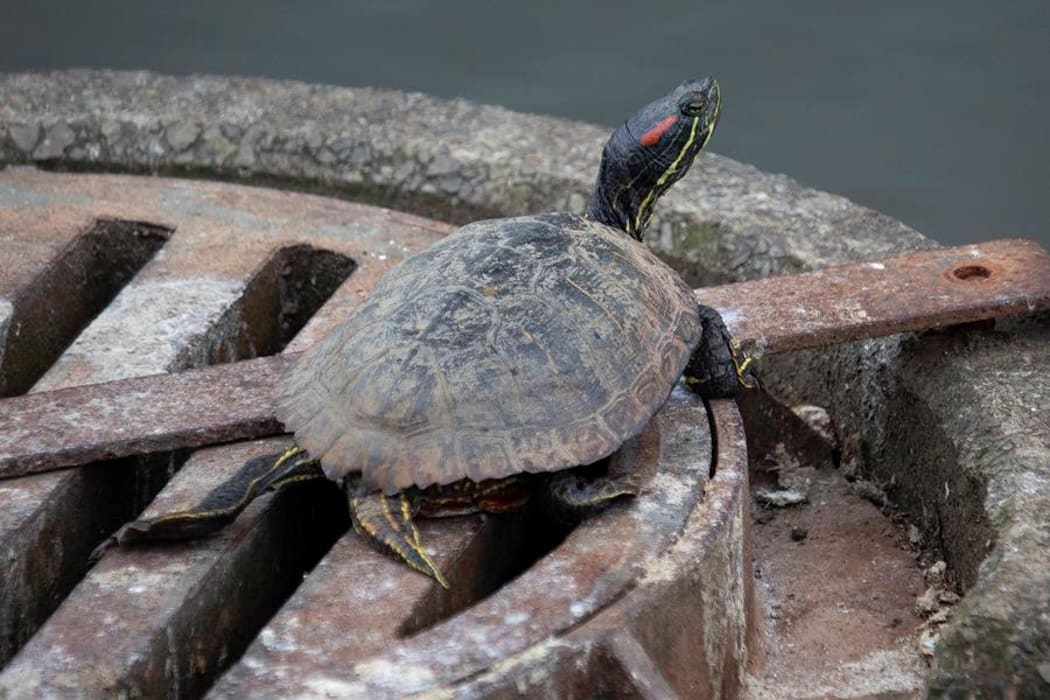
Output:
[[385, 522], [719, 368], [222, 505]]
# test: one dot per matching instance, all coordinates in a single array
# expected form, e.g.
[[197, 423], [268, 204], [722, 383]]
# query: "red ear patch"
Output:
[[652, 137]]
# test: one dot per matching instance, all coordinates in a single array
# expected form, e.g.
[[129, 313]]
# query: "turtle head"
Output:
[[651, 151]]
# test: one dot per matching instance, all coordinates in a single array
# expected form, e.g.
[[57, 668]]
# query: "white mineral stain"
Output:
[[275, 642], [730, 316], [876, 266], [134, 579], [536, 654], [328, 687], [882, 672], [665, 493], [399, 677], [21, 499], [252, 663], [515, 618], [662, 570]]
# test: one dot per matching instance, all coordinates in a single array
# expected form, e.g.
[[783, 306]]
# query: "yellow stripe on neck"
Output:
[[638, 223]]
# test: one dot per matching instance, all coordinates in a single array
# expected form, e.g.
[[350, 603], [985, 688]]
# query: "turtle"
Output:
[[499, 359]]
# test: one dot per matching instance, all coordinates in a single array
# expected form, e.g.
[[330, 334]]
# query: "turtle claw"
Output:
[[427, 566], [106, 545], [385, 522], [744, 366]]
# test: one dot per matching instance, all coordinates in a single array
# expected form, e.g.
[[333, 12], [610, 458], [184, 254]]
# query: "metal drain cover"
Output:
[[176, 274]]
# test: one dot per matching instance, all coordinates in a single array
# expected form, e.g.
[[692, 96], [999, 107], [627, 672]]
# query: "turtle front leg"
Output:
[[385, 522], [719, 368], [223, 504]]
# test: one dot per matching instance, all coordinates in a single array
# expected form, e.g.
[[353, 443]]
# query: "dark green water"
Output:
[[933, 112]]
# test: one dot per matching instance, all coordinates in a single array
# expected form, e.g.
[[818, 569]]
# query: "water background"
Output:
[[937, 113]]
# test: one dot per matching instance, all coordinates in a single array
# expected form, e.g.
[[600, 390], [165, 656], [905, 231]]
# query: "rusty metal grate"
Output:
[[918, 291], [651, 596], [238, 280], [176, 617]]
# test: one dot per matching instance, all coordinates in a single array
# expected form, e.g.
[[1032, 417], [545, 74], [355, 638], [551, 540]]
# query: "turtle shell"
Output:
[[526, 344]]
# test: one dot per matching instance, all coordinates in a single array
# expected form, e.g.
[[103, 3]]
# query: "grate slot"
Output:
[[52, 309], [277, 302], [507, 545]]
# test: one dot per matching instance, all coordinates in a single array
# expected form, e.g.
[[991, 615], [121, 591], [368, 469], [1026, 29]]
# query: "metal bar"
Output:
[[52, 429], [911, 292]]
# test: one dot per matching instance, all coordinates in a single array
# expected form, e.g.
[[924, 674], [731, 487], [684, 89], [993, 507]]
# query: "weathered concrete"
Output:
[[447, 159], [727, 220], [958, 435], [975, 441]]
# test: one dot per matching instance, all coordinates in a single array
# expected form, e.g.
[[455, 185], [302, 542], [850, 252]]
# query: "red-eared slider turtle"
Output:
[[513, 347]]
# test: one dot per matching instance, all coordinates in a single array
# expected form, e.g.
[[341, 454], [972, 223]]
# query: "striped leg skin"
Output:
[[385, 522], [221, 506], [582, 495]]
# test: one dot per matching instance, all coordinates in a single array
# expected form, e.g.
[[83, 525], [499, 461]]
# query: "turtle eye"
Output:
[[694, 106]]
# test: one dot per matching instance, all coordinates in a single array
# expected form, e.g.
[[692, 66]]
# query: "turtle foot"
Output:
[[385, 522], [719, 369]]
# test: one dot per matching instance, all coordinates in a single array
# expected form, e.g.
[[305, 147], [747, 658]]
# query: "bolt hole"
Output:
[[972, 272]]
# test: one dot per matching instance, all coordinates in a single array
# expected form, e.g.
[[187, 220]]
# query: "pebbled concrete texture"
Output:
[[445, 159], [990, 502], [968, 403]]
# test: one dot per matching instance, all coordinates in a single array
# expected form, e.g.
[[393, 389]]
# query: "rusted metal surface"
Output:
[[912, 292], [848, 302], [164, 621], [675, 560], [141, 415], [190, 305], [85, 269]]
